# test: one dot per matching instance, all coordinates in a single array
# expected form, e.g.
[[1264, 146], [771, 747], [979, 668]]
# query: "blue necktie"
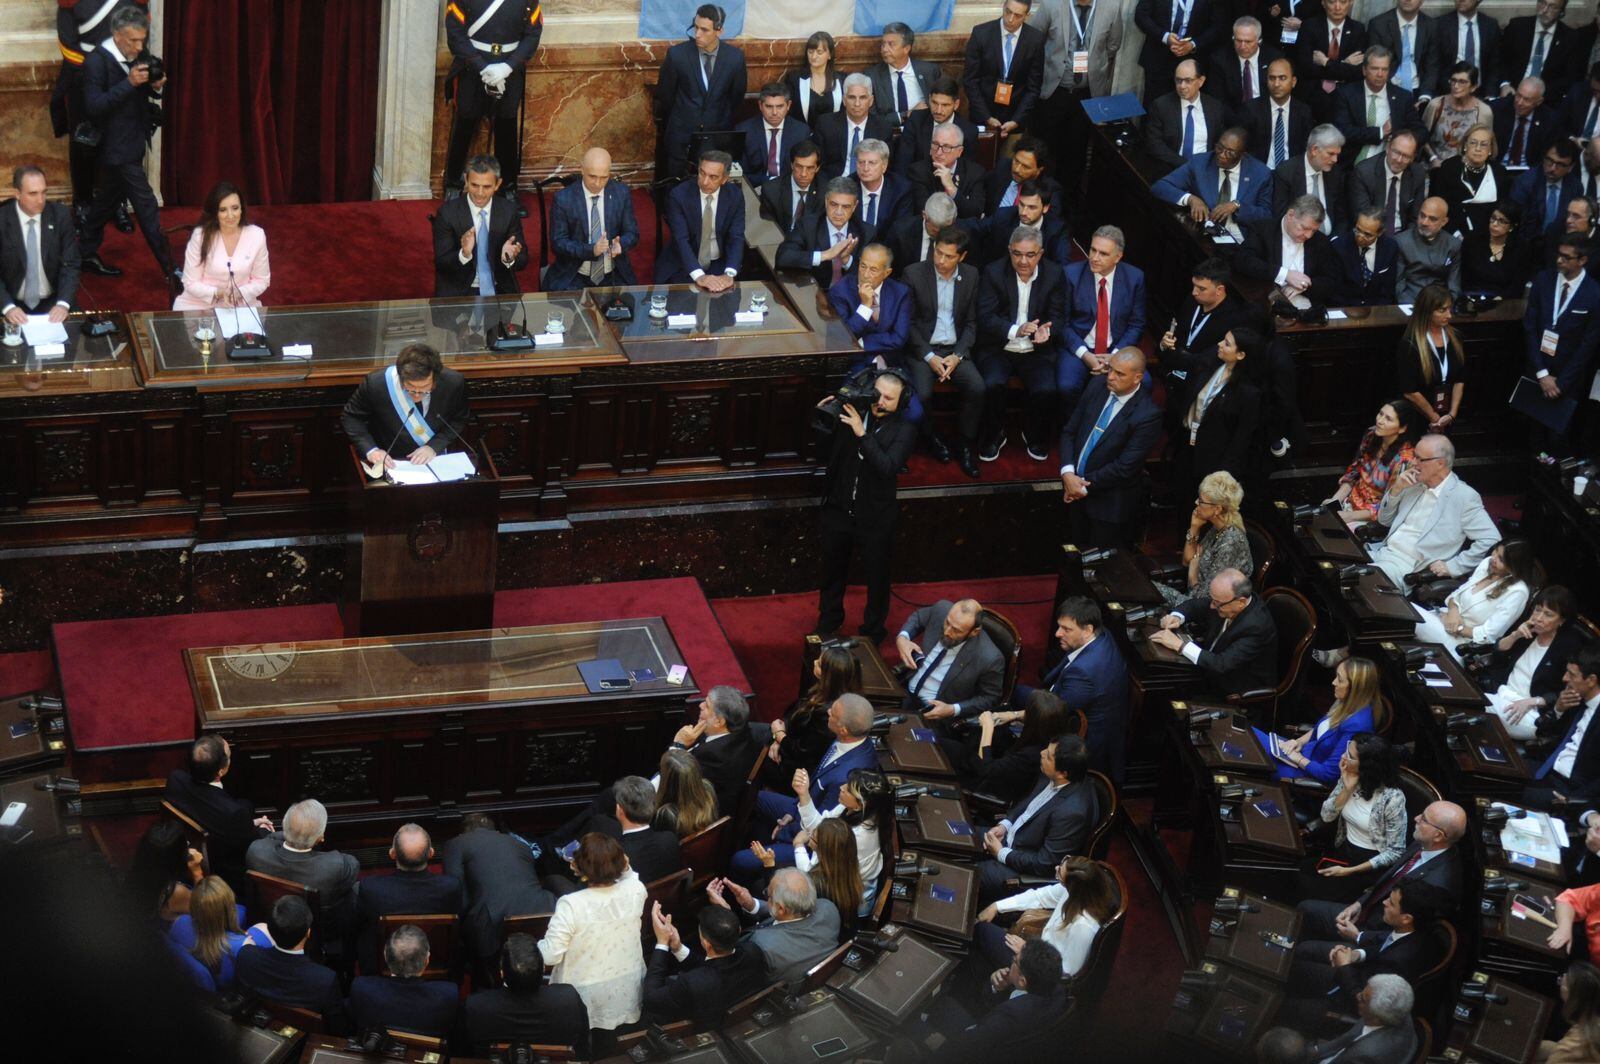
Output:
[[872, 208], [1011, 45], [927, 673], [1280, 139], [1188, 130], [1536, 64], [1471, 43], [485, 274], [855, 142], [1098, 431], [1552, 198], [1011, 195], [1408, 63], [900, 99]]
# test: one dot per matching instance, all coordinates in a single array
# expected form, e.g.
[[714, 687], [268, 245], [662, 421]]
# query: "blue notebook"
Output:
[[604, 675]]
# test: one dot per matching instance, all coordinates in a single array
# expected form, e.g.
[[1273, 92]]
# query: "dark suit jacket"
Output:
[[569, 234], [1256, 117], [815, 234], [998, 180], [1428, 45], [833, 136], [698, 989], [1207, 24], [984, 64], [1408, 958], [904, 239], [499, 878], [1095, 682], [974, 680], [369, 417], [1547, 682], [1578, 328], [1018, 1028], [1574, 112], [1245, 657], [863, 474], [922, 279], [884, 101], [1350, 115], [726, 764], [1163, 126], [916, 139], [886, 335], [1543, 127], [1314, 38], [1565, 60], [400, 893], [451, 276], [1369, 187], [229, 823], [1224, 78], [1060, 828], [119, 109], [1289, 183], [1487, 35], [293, 979], [1584, 780], [681, 256], [1200, 177], [1118, 483], [1448, 184], [424, 1006], [1261, 257], [755, 147], [1528, 194], [992, 237], [779, 198], [897, 198], [58, 253], [554, 1016], [683, 100], [1378, 292], [1211, 329], [331, 873], [830, 776], [1443, 871], [997, 304], [970, 187], [1383, 1046], [1126, 324]]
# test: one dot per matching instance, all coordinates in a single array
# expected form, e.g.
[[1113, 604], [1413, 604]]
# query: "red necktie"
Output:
[[772, 155], [1102, 321], [1328, 85], [1379, 894]]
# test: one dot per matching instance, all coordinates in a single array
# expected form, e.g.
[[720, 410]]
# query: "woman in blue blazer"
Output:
[[1355, 710]]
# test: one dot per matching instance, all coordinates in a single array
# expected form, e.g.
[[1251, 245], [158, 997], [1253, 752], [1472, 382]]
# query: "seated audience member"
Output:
[[292, 854], [1032, 208], [1021, 311], [944, 329], [1315, 173], [1235, 641], [1580, 1007], [412, 889], [1368, 112], [1578, 219], [1472, 182], [885, 197], [1033, 999], [771, 136], [957, 671], [1369, 807], [1572, 905], [850, 721], [593, 938], [815, 85], [948, 170], [225, 264], [1542, 193], [793, 928], [1431, 857], [841, 132], [52, 287], [911, 238], [1183, 123], [164, 872], [498, 878], [900, 83], [1430, 361], [231, 824], [1293, 255], [801, 736], [828, 856], [686, 802], [1430, 254], [652, 852], [916, 134], [1105, 306], [1283, 1045], [1523, 124], [795, 197], [1029, 161], [523, 1009], [1433, 519], [1488, 603], [1221, 404], [1564, 301], [1092, 679], [1215, 540], [1278, 123], [866, 807], [707, 258], [680, 984], [1371, 260], [721, 742], [592, 230], [1319, 752], [1226, 187], [1388, 447], [827, 241], [208, 937], [874, 306], [281, 972], [1523, 678], [1451, 118], [1389, 183], [1080, 902], [1332, 974], [1572, 771], [1051, 823], [1104, 444], [478, 246], [1383, 1030], [403, 1000], [1009, 773]]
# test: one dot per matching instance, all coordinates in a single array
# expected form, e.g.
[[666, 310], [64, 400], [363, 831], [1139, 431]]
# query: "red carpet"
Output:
[[126, 684]]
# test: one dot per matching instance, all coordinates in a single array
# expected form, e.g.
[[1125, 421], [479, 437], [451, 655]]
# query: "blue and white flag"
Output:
[[776, 19]]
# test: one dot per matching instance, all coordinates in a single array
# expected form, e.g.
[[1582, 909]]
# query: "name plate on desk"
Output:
[[549, 339], [748, 317], [680, 321], [43, 351]]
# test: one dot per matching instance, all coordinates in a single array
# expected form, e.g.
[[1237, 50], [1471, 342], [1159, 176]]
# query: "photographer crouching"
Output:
[[866, 442], [121, 84]]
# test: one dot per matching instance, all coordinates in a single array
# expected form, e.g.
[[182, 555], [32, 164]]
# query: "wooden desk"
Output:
[[1324, 536], [935, 821], [1192, 756], [1372, 609], [1228, 1018], [1243, 947], [1564, 528], [822, 1019], [45, 816], [1524, 936], [893, 986], [39, 747], [1490, 853], [1487, 1033], [1229, 743], [943, 905], [878, 683], [909, 750], [1107, 575]]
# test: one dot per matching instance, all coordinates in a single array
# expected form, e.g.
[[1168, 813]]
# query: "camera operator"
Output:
[[864, 451], [121, 82]]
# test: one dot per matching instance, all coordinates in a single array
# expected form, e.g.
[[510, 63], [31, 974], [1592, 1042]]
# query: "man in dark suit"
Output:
[[680, 984], [1579, 114], [703, 81], [1390, 183], [910, 239], [1020, 339], [1572, 771], [900, 84], [948, 170], [827, 242], [956, 670], [592, 230], [231, 823], [915, 143], [793, 928], [841, 132], [490, 45], [1225, 187], [1238, 70], [652, 852], [1542, 46], [1028, 161], [1203, 319], [1383, 1031], [1051, 823], [1103, 450], [1523, 125], [770, 136], [119, 96], [1175, 31], [478, 247], [1033, 208], [1236, 642], [1469, 36], [789, 200], [1293, 255], [1370, 261], [1003, 68], [1091, 676], [943, 331], [524, 1009], [1278, 123], [873, 306], [1316, 173], [1370, 111], [292, 854], [284, 974], [1583, 862], [1416, 43], [497, 873], [1561, 327], [1105, 305], [1081, 55], [415, 403], [710, 260], [1541, 195], [412, 889], [1331, 974], [1184, 123], [885, 197], [1024, 1024], [38, 252], [403, 1000], [1327, 54], [721, 742]]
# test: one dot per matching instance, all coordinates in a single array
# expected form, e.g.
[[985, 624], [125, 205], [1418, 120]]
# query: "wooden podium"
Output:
[[425, 557]]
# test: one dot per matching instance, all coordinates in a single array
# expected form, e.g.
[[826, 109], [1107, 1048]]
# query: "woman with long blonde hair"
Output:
[[685, 800], [1357, 708]]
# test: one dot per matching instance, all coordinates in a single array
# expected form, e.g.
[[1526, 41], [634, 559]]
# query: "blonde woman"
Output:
[[1355, 710], [1215, 540]]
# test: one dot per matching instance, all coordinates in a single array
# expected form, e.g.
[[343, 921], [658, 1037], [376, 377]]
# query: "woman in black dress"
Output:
[[801, 738], [1493, 261], [1472, 182], [1430, 363], [817, 88], [1222, 410]]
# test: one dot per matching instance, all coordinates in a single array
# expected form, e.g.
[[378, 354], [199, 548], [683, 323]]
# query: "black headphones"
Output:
[[705, 11]]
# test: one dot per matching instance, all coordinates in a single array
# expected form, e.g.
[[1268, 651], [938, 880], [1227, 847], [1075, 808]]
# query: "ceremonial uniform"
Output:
[[81, 27], [492, 41]]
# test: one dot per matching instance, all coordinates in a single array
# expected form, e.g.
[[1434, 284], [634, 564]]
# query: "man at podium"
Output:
[[415, 404]]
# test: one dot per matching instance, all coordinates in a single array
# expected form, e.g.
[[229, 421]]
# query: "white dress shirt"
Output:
[[926, 682], [1202, 142], [1403, 540], [1462, 22], [913, 89], [46, 289], [696, 272], [1073, 941], [1040, 800], [1021, 344], [1294, 257]]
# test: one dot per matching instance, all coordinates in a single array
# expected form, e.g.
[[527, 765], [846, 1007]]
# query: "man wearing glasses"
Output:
[[948, 170], [1235, 643], [1227, 188], [1435, 521]]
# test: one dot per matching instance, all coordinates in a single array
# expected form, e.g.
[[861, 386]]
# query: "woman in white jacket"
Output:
[[1080, 902], [1484, 607]]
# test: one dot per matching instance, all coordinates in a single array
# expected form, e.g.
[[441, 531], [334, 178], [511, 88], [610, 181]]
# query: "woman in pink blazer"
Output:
[[224, 240]]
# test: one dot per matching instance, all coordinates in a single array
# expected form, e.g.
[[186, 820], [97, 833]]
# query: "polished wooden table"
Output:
[[42, 740], [1245, 945], [944, 905], [1227, 1019], [912, 747], [1489, 1033], [938, 821], [878, 683], [44, 820]]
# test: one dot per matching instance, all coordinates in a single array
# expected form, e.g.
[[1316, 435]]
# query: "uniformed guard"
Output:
[[492, 41], [80, 29]]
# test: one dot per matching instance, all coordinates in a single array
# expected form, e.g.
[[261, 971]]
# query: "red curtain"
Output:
[[278, 96]]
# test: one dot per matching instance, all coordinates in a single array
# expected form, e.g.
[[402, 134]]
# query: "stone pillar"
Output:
[[409, 43]]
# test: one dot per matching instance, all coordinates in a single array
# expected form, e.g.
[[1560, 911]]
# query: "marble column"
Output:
[[410, 35]]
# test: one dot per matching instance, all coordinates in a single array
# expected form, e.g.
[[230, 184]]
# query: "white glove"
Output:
[[496, 74]]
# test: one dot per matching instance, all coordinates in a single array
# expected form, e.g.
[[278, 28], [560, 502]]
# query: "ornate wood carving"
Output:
[[342, 775], [554, 759]]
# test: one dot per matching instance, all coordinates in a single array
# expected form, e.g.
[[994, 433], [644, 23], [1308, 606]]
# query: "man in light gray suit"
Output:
[[1383, 1034], [957, 671], [1058, 116], [292, 854], [794, 928], [1435, 520]]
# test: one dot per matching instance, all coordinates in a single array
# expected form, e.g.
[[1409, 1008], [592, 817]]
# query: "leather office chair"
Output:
[[1435, 988], [820, 972], [1263, 551], [545, 259], [743, 1009], [268, 889], [196, 835], [294, 1016], [702, 852], [1089, 985], [1100, 835], [1419, 791], [670, 892], [1008, 639], [1424, 1040], [1296, 622], [443, 931]]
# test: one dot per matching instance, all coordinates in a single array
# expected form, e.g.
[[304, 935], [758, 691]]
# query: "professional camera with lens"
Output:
[[860, 391], [158, 69]]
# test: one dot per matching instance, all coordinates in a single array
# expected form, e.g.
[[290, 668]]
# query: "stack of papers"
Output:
[[446, 467], [39, 329], [1536, 835]]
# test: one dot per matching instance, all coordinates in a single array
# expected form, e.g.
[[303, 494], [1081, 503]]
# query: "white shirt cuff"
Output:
[[731, 272], [1542, 374], [1011, 333], [1282, 277], [696, 273], [1182, 620], [8, 308], [929, 357], [957, 707], [864, 312], [1001, 856], [63, 303], [1184, 201], [681, 953], [816, 258], [464, 257], [1067, 469], [1083, 350], [1191, 651], [1361, 956]]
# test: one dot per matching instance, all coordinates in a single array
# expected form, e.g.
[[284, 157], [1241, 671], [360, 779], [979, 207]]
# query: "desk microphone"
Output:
[[911, 790], [1234, 792], [1417, 655], [876, 943], [62, 785], [1099, 554], [888, 720], [1461, 722], [1201, 716], [1233, 907], [1497, 815], [249, 345], [1476, 992], [912, 870], [1499, 886], [98, 323]]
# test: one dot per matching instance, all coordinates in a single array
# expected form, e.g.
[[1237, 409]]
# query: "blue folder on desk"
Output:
[[1119, 108], [604, 675]]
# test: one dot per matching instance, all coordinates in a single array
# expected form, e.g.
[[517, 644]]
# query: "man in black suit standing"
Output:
[[478, 246], [412, 889], [1003, 68], [680, 984], [497, 873], [1051, 823], [944, 328], [1185, 122], [771, 136], [702, 84], [415, 403], [841, 132], [915, 143], [38, 252], [1523, 125], [1175, 30], [1370, 259], [523, 1009], [949, 170], [791, 199], [1278, 124], [1542, 46], [1236, 642], [1327, 54], [900, 84], [403, 1000], [957, 673], [707, 256], [1389, 182], [231, 823], [284, 974], [119, 96], [1315, 173], [1112, 431], [491, 44], [827, 242], [1416, 41], [721, 742], [1469, 36]]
